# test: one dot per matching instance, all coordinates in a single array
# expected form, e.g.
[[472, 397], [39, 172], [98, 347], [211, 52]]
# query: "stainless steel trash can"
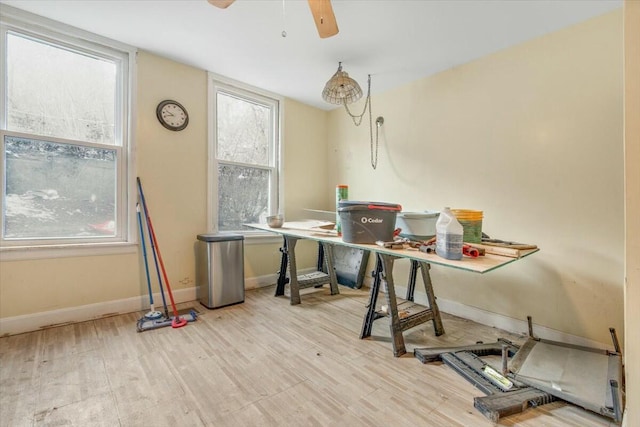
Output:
[[220, 269]]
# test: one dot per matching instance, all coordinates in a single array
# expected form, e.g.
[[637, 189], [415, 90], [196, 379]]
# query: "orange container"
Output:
[[467, 214]]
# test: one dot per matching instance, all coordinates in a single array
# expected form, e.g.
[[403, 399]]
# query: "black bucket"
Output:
[[367, 222]]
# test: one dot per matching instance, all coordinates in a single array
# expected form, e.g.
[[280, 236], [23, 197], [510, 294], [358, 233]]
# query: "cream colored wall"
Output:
[[531, 135], [632, 209], [305, 176], [173, 165], [173, 169], [28, 287], [305, 160], [305, 170]]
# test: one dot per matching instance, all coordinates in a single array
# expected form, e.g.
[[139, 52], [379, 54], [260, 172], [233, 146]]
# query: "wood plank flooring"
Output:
[[260, 363]]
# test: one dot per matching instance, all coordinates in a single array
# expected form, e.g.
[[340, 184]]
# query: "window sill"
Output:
[[20, 253]]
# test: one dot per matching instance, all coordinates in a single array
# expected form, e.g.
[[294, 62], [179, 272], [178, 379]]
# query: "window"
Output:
[[245, 166], [64, 134]]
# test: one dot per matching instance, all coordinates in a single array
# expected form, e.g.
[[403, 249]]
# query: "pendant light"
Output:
[[343, 90]]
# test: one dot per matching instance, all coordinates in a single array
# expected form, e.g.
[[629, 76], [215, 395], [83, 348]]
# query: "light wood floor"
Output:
[[261, 363]]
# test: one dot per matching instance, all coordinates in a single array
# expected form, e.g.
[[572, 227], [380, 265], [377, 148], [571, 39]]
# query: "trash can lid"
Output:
[[219, 237]]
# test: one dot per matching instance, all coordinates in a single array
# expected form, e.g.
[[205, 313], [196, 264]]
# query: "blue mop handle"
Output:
[[153, 249], [144, 254]]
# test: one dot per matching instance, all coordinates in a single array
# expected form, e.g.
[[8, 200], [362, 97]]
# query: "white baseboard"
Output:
[[36, 321], [269, 279], [48, 319], [509, 324], [260, 281]]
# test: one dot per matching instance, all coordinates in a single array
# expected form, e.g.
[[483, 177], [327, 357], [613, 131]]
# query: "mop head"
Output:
[[145, 324], [178, 322], [153, 315]]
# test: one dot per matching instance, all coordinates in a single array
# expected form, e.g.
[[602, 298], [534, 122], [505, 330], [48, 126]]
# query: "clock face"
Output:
[[172, 115]]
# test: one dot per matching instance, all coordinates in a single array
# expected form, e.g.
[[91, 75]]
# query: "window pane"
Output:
[[243, 130], [243, 196], [57, 92], [55, 190]]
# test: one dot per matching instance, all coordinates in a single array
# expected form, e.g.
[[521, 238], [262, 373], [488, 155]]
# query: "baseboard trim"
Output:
[[509, 324], [49, 319], [260, 281]]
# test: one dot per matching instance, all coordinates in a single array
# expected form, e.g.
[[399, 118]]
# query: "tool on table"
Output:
[[481, 251], [396, 244], [427, 246], [503, 247], [506, 243], [430, 249], [470, 251], [401, 243], [413, 243]]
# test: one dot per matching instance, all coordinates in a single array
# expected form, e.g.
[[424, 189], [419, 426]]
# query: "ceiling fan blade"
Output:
[[222, 4], [324, 18]]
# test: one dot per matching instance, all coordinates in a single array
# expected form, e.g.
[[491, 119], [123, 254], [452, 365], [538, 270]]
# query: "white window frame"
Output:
[[217, 83], [26, 24]]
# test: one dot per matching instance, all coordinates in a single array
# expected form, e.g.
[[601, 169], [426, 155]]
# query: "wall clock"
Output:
[[172, 115]]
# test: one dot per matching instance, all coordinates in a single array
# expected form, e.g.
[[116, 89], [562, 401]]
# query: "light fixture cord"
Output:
[[374, 160], [357, 120], [284, 21]]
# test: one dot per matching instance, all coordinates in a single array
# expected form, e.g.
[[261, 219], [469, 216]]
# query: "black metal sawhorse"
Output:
[[297, 282], [406, 314]]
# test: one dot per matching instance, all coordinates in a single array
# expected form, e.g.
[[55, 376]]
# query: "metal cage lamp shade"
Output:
[[341, 89]]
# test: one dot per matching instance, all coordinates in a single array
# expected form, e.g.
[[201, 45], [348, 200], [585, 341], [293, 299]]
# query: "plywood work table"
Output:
[[403, 314]]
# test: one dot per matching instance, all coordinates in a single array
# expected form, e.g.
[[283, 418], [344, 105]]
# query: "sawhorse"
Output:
[[406, 314], [315, 279]]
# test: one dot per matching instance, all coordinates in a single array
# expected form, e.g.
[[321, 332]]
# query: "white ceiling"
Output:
[[396, 41]]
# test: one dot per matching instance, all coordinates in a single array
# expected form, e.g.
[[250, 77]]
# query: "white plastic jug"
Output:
[[449, 234]]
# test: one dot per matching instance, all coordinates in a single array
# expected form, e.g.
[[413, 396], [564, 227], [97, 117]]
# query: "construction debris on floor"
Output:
[[536, 373]]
